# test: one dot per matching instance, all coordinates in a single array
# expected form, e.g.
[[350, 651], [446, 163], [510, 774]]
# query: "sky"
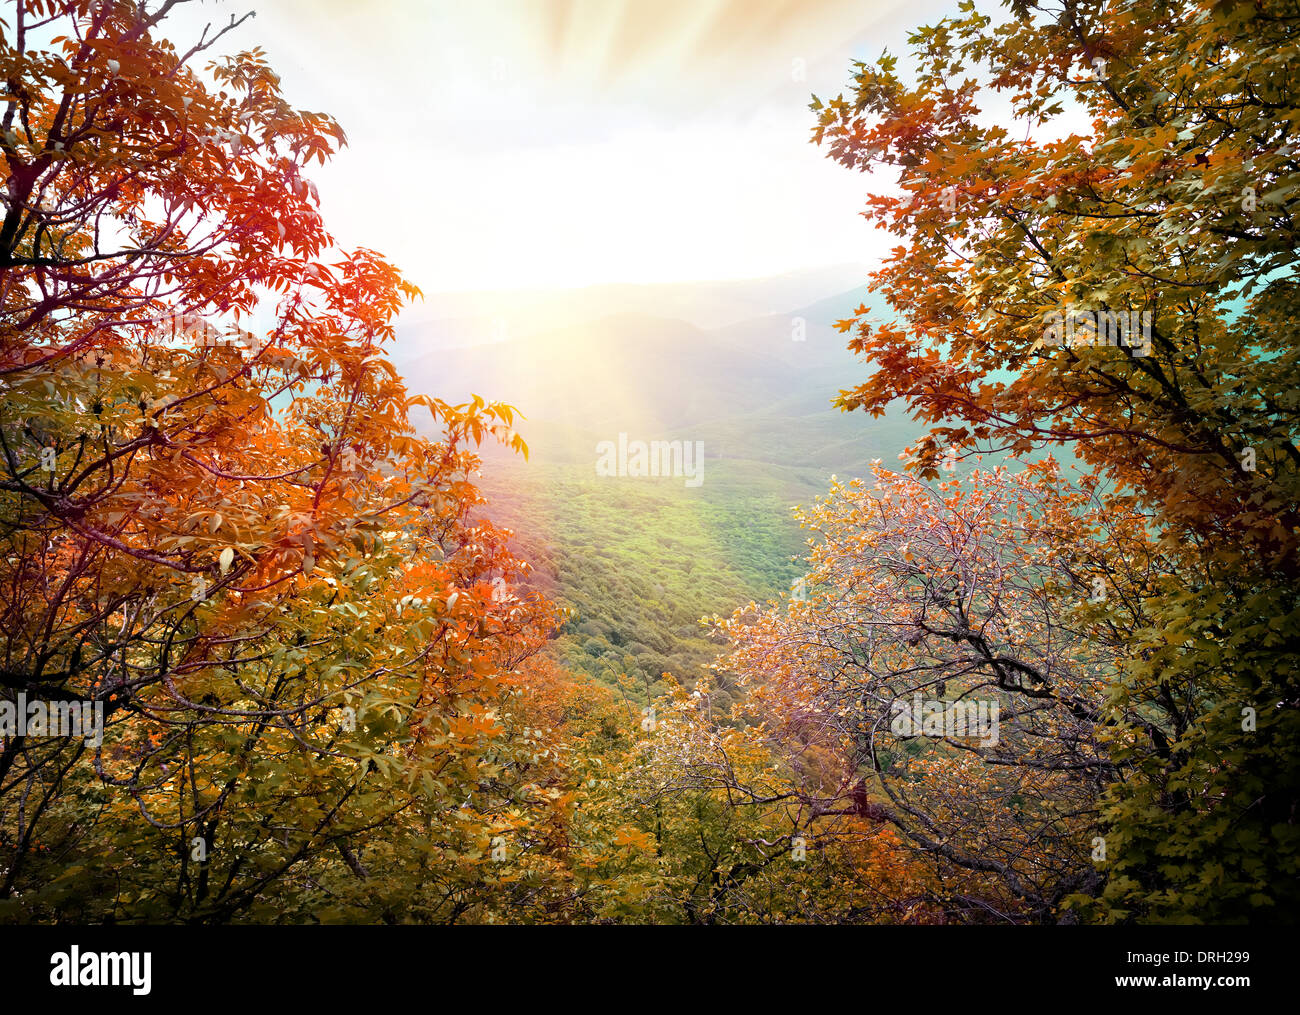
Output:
[[539, 144]]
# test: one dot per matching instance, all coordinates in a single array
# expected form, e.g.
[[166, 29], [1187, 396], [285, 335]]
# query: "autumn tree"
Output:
[[219, 525], [943, 662], [1094, 206], [721, 824]]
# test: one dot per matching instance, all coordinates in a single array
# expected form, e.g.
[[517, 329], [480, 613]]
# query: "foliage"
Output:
[[639, 563], [1176, 199], [230, 541], [335, 686]]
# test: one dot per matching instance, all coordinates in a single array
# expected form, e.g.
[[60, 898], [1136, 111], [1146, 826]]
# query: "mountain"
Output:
[[639, 560], [758, 390], [458, 319]]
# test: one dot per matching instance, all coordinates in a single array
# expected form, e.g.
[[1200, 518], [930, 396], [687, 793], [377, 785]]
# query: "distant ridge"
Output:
[[757, 391], [458, 319]]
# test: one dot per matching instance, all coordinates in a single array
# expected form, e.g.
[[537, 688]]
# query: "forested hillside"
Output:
[[642, 564]]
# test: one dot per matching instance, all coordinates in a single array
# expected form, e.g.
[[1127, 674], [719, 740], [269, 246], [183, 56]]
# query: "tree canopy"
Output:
[[1044, 672]]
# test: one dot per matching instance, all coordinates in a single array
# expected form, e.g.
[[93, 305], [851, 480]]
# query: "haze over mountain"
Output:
[[470, 318], [757, 389]]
